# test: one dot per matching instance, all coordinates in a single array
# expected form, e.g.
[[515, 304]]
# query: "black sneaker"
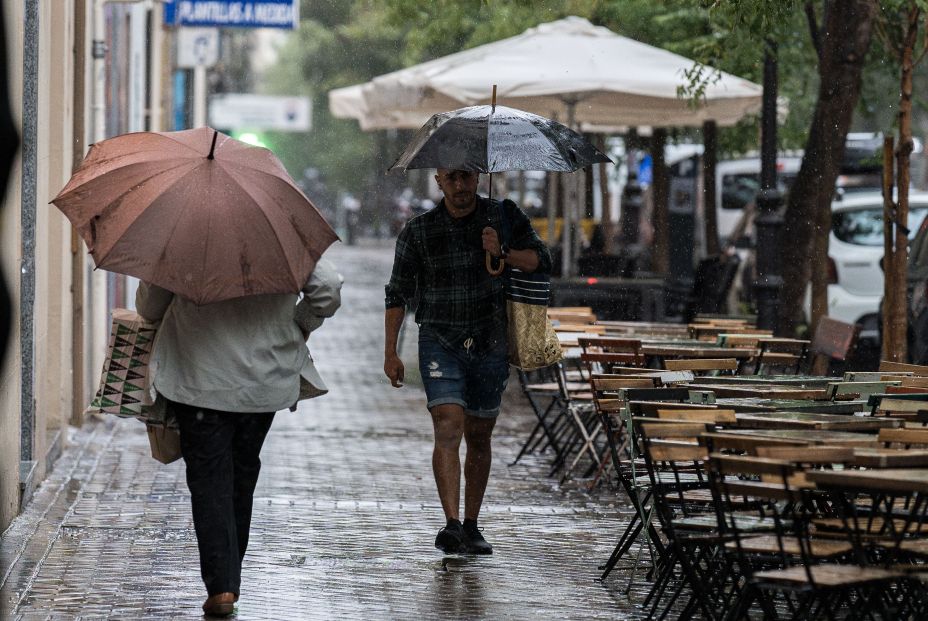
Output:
[[450, 539], [473, 539]]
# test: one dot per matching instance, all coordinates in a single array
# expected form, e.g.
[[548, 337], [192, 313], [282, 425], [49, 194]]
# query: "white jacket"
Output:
[[241, 355]]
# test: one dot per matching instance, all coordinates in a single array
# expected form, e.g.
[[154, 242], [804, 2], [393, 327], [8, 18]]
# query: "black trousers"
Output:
[[221, 452]]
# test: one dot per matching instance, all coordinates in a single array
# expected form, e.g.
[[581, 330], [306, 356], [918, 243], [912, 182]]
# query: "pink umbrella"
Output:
[[195, 212]]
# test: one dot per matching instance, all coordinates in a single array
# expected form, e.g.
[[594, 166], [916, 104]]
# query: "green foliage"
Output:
[[344, 42], [339, 43]]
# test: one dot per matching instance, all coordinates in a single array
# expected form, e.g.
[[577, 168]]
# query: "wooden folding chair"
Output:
[[916, 370], [622, 351], [787, 355], [704, 366], [832, 344], [575, 425], [786, 565], [858, 390], [580, 315], [903, 406], [719, 417], [683, 506], [548, 392], [907, 438]]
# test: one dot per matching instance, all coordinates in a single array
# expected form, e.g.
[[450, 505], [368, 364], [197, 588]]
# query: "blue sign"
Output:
[[645, 170], [233, 13]]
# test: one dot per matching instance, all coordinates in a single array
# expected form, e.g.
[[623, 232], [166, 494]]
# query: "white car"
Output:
[[737, 183], [855, 247]]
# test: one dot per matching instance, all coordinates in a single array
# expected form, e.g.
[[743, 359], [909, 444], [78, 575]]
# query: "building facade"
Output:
[[77, 71]]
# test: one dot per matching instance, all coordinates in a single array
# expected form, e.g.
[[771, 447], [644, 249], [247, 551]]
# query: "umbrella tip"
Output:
[[493, 100], [212, 147]]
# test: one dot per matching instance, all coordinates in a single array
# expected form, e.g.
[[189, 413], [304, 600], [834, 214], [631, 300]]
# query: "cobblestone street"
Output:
[[345, 512]]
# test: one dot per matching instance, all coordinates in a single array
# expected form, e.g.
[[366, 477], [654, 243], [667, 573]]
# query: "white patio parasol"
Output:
[[567, 68]]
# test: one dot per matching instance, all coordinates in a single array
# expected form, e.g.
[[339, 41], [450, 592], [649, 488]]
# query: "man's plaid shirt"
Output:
[[441, 260]]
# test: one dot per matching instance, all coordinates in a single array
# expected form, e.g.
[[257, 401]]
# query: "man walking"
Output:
[[440, 260]]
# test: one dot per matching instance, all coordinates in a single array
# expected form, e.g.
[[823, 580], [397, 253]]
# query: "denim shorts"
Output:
[[471, 378]]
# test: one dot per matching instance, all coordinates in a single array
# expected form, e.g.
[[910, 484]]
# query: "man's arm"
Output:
[[527, 251], [392, 365], [151, 301], [525, 260], [322, 297], [399, 291]]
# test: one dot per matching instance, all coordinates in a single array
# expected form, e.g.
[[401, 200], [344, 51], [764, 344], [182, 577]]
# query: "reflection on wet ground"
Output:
[[345, 512]]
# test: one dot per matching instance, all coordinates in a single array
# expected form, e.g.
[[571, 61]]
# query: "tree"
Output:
[[898, 29], [842, 42]]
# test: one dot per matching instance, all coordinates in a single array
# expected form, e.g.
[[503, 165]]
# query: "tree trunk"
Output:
[[898, 272], [710, 148], [819, 267], [846, 31], [889, 210], [660, 183]]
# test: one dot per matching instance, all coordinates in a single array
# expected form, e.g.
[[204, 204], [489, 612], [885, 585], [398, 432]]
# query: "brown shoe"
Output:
[[219, 605]]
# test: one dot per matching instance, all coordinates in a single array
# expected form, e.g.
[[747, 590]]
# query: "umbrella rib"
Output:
[[292, 187], [112, 205], [64, 196], [569, 158], [267, 219], [174, 228]]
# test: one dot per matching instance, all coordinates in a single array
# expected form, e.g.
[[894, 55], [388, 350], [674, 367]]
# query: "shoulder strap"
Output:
[[504, 223]]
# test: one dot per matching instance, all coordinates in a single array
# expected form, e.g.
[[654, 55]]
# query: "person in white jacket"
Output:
[[225, 369]]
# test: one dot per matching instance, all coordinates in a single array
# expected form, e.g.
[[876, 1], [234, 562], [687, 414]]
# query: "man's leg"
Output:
[[250, 431], [448, 422], [486, 380], [206, 445], [477, 434]]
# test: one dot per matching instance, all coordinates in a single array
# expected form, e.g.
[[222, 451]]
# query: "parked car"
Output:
[[917, 285], [855, 249], [738, 182]]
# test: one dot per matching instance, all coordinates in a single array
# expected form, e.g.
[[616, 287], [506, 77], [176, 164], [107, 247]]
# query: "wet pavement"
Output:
[[345, 511]]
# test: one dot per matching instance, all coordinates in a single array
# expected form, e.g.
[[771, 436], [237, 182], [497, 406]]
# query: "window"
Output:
[[864, 227], [741, 189]]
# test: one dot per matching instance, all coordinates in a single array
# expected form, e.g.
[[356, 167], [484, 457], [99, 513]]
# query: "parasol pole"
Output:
[[489, 259]]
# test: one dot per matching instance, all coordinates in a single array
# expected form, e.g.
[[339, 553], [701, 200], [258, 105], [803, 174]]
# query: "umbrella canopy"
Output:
[[492, 139], [195, 212], [567, 67]]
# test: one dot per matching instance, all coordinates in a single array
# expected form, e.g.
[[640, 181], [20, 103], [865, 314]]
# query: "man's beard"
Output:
[[462, 199]]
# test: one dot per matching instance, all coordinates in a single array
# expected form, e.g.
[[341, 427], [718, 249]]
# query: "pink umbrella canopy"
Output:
[[195, 212]]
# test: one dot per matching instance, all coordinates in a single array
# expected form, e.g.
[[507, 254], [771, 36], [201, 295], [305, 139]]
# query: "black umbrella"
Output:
[[493, 138]]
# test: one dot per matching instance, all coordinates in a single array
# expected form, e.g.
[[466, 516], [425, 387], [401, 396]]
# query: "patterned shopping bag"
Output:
[[533, 344], [124, 385]]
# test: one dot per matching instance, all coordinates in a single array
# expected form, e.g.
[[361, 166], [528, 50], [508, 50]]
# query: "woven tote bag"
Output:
[[533, 343]]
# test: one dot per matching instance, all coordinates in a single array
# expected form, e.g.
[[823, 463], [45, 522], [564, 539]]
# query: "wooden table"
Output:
[[749, 404], [812, 420], [672, 350], [890, 457], [769, 391], [793, 381], [896, 479], [642, 328], [569, 338], [811, 436]]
